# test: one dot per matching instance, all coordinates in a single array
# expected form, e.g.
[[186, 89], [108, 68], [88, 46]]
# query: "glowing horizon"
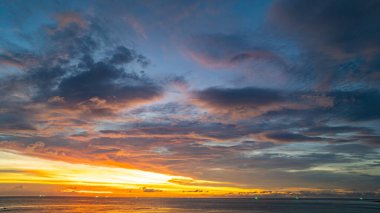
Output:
[[114, 179], [76, 179]]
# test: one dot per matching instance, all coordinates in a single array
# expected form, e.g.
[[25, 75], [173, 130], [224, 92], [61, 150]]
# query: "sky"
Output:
[[180, 98]]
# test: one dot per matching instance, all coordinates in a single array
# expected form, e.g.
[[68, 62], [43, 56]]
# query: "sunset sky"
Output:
[[172, 98]]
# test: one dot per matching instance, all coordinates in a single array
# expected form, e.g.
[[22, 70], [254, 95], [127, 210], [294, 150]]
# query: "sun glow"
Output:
[[81, 173], [92, 179]]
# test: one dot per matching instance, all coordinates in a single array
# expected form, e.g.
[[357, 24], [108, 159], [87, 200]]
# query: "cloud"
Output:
[[98, 78], [339, 39], [75, 74], [241, 97], [254, 58], [256, 101], [219, 50], [346, 26], [144, 189], [291, 137], [299, 162], [334, 130], [122, 55], [370, 139], [17, 59], [106, 82], [14, 120], [193, 130], [79, 78], [357, 105], [351, 148], [353, 106]]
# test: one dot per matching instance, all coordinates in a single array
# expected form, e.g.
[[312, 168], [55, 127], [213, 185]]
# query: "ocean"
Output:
[[177, 205]]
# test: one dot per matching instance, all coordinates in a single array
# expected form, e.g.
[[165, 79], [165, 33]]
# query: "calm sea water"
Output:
[[157, 205]]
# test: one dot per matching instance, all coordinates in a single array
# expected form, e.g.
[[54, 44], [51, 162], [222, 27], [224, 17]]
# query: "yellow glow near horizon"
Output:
[[18, 168], [59, 170]]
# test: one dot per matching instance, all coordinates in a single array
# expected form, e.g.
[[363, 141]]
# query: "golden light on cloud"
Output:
[[92, 179]]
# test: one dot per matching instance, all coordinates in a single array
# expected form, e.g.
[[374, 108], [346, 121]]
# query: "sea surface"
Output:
[[177, 205]]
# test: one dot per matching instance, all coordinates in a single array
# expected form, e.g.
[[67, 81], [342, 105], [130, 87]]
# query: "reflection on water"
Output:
[[141, 205]]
